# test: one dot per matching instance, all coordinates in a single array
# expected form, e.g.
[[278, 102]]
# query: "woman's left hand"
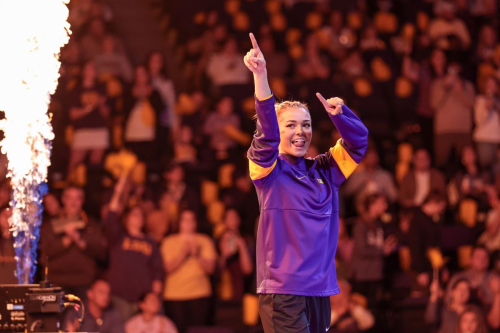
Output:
[[332, 105]]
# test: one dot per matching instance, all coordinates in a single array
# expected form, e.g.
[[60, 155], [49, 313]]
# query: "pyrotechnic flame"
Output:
[[32, 33]]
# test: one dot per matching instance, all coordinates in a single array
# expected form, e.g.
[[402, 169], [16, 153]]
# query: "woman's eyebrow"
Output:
[[294, 121]]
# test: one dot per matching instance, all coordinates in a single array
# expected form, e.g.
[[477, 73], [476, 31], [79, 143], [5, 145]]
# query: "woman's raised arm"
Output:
[[255, 62]]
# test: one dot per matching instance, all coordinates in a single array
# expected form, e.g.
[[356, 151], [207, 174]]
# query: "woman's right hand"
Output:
[[435, 290], [254, 59], [121, 183]]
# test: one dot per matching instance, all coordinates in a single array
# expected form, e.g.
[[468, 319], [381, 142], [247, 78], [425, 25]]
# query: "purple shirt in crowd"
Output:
[[134, 262]]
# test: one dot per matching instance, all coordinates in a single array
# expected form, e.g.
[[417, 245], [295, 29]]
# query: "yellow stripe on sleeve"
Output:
[[343, 159], [263, 99], [258, 172]]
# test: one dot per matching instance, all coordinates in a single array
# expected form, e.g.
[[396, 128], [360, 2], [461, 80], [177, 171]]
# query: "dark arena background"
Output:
[[150, 216]]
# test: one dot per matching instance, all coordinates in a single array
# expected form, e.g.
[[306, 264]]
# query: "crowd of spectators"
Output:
[[151, 216]]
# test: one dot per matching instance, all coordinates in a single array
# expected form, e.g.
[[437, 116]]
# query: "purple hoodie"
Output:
[[298, 228]]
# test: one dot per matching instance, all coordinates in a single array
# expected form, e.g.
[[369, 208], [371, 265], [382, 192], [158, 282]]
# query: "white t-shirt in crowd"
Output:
[[423, 186], [159, 324], [136, 130]]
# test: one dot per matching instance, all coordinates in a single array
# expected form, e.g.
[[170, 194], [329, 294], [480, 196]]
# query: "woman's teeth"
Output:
[[299, 142]]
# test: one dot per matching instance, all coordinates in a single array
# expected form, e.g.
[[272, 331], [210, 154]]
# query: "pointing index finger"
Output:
[[254, 42], [323, 100]]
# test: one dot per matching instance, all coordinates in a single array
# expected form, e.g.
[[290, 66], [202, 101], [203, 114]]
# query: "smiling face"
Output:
[[187, 222], [468, 322], [295, 131], [460, 294], [72, 199], [156, 63], [135, 220], [99, 294], [141, 75], [150, 304], [479, 260]]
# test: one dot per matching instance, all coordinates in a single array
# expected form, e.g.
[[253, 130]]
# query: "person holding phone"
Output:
[[452, 98], [298, 227]]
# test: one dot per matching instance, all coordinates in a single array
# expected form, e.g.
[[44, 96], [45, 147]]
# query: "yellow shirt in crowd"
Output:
[[189, 281]]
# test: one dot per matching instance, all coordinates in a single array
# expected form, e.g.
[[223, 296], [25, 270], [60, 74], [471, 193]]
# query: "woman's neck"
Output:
[[95, 311], [457, 307], [370, 217], [135, 233], [72, 215], [439, 71], [290, 158], [148, 317], [88, 82]]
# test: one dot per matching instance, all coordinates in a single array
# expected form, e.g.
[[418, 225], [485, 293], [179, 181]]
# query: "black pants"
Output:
[[188, 313], [291, 313]]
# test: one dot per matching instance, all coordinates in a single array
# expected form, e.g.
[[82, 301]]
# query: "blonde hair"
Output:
[[281, 107]]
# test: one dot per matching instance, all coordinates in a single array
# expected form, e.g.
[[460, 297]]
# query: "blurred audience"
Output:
[[99, 316], [216, 128], [371, 178], [445, 314], [478, 276], [420, 181], [490, 238], [348, 315], [447, 30], [345, 249], [423, 234], [226, 67], [111, 62], [92, 42], [73, 243]]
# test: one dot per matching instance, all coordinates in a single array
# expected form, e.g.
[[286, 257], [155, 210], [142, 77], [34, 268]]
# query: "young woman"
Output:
[[371, 245], [168, 121], [472, 321], [235, 257], [189, 259], [135, 264], [454, 317], [142, 106], [89, 116], [446, 315], [487, 120], [298, 228], [149, 320], [471, 180]]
